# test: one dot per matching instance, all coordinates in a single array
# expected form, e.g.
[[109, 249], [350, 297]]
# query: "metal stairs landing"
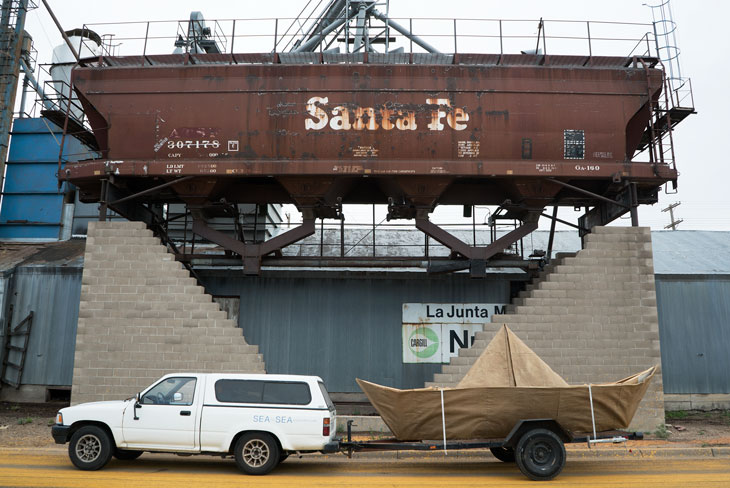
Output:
[[74, 127], [664, 123]]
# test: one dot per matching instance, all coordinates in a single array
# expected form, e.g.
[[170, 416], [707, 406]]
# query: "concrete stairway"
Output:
[[142, 316], [558, 260], [591, 316]]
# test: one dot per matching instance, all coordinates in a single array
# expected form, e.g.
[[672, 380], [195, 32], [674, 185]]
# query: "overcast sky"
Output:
[[702, 36]]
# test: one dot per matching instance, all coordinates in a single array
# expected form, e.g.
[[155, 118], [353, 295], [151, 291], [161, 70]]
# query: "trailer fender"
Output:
[[522, 426]]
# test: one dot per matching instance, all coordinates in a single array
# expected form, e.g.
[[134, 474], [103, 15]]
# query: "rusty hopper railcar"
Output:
[[412, 130]]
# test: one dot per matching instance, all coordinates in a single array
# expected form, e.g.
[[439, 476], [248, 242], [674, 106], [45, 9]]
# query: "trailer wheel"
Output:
[[540, 454], [256, 453], [504, 454], [90, 448]]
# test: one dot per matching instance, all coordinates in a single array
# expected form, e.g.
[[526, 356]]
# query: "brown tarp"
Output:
[[507, 361], [508, 393]]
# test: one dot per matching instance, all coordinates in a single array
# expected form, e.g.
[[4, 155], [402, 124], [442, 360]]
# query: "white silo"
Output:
[[87, 44]]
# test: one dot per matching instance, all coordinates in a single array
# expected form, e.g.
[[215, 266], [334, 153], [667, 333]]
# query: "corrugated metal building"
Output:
[[693, 298], [343, 325], [44, 279]]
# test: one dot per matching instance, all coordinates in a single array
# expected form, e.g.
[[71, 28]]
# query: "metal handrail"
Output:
[[460, 32]]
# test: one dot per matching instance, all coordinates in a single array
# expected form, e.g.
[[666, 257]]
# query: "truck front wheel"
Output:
[[256, 453], [90, 448]]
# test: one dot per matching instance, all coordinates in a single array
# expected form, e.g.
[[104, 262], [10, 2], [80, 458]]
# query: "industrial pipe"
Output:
[[395, 25], [63, 32], [307, 46], [31, 79]]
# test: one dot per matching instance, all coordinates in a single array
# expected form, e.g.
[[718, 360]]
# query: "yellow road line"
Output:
[[25, 469], [113, 479]]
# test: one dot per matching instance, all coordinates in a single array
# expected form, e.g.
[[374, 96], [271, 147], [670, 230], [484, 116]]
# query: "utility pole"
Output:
[[673, 223]]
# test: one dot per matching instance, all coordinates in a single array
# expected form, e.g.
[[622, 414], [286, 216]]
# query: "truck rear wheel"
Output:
[[540, 454], [256, 453], [90, 448]]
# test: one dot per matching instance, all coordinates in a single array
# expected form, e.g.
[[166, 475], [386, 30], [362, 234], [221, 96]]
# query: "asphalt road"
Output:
[[51, 467]]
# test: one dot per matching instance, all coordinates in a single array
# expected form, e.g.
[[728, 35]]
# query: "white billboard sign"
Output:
[[434, 332]]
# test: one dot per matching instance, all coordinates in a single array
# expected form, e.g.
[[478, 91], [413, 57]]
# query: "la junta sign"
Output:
[[434, 332]]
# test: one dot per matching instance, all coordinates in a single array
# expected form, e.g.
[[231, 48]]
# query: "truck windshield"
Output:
[[326, 396]]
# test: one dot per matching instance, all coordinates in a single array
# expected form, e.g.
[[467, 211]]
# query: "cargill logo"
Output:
[[423, 342]]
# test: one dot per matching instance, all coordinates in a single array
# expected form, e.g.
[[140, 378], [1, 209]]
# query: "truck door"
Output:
[[165, 417]]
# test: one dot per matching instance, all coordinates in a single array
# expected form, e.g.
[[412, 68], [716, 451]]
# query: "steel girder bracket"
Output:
[[607, 210], [478, 256], [126, 205], [252, 253]]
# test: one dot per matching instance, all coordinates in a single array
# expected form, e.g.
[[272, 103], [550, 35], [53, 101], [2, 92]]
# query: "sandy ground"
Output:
[[29, 425], [26, 424], [702, 428]]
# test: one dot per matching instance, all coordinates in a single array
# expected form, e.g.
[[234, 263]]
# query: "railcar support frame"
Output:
[[478, 256]]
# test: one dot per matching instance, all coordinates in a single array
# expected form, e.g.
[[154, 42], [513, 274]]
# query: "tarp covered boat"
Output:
[[507, 383]]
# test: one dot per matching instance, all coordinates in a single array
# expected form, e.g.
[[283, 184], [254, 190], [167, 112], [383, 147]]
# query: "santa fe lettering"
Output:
[[369, 118]]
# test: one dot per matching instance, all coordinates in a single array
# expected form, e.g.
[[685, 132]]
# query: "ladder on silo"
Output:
[[12, 23], [15, 354]]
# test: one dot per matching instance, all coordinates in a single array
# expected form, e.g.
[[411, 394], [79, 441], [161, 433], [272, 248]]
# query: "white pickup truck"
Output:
[[257, 418]]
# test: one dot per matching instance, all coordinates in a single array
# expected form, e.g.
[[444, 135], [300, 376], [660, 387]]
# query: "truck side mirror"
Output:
[[136, 405]]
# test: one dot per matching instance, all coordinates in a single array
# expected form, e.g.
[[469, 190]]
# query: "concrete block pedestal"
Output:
[[142, 316], [592, 318]]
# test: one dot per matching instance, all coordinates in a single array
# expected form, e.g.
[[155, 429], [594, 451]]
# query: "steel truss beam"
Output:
[[252, 253], [478, 256], [361, 11]]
